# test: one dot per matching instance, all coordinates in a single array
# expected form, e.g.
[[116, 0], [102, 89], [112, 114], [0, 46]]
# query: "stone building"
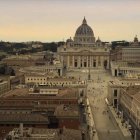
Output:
[[124, 96], [84, 51], [115, 86], [56, 68], [44, 133], [126, 59], [130, 106], [123, 68], [40, 110], [4, 86], [130, 53]]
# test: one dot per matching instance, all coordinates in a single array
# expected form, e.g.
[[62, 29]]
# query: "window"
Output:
[[115, 92], [85, 64], [75, 64], [94, 64]]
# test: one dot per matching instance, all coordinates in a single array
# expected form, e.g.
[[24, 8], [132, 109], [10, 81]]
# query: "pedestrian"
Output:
[[108, 131]]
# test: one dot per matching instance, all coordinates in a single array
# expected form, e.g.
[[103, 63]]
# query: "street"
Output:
[[105, 123]]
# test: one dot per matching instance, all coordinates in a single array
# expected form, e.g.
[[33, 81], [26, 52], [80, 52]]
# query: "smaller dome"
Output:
[[136, 39], [98, 40], [69, 40]]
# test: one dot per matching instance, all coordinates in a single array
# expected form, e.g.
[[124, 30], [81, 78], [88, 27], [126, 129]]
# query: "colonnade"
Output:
[[83, 61]]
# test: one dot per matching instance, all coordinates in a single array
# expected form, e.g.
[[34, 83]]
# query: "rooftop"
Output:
[[137, 96], [49, 134], [39, 74], [117, 83], [62, 79], [132, 90], [23, 93], [23, 118], [66, 110], [16, 92], [126, 64], [124, 81]]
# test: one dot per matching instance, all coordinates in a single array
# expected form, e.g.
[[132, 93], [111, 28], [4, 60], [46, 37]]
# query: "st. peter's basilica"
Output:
[[84, 51]]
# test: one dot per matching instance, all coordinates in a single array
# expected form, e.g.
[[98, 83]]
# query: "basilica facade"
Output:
[[84, 51]]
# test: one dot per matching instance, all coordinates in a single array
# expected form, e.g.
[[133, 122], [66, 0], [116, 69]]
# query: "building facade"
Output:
[[4, 86], [126, 59], [130, 106], [116, 86], [56, 68], [122, 68], [84, 51], [114, 93]]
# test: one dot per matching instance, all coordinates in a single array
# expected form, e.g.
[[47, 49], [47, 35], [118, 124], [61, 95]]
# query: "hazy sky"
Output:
[[55, 20]]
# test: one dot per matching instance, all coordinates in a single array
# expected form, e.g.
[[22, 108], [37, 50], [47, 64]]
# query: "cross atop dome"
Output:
[[84, 21]]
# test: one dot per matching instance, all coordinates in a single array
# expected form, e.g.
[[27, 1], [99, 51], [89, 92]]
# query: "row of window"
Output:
[[36, 79], [54, 83], [11, 112], [85, 39], [53, 101], [16, 125]]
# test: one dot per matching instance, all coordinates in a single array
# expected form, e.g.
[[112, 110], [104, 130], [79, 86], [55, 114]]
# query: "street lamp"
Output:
[[117, 106], [89, 76], [135, 135]]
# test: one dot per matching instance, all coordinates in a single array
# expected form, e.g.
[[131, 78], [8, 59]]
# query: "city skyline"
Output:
[[57, 20]]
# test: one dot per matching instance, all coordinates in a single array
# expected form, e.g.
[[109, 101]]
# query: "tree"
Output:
[[119, 43]]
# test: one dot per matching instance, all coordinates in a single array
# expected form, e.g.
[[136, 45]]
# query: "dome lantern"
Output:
[[84, 21]]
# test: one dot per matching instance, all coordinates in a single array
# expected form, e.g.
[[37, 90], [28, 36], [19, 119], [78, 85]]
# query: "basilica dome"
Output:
[[84, 29], [84, 34]]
